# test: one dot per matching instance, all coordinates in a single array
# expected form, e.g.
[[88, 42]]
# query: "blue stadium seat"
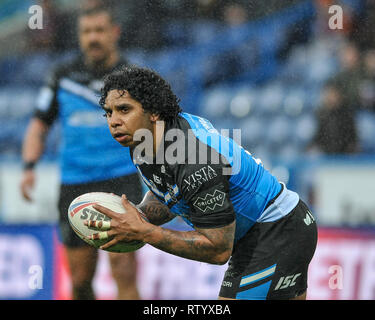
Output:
[[17, 102], [36, 68], [312, 96], [288, 152], [176, 33], [270, 98], [294, 102], [365, 122], [4, 103], [215, 103], [16, 107], [292, 70], [11, 68], [11, 136], [262, 152], [304, 129], [137, 57], [278, 131], [163, 61], [242, 103], [203, 31], [252, 130], [322, 62]]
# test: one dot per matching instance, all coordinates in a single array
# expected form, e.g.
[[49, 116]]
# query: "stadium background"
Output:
[[258, 66]]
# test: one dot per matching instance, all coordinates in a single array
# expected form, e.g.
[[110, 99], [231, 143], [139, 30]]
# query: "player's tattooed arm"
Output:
[[206, 245], [211, 245], [156, 212]]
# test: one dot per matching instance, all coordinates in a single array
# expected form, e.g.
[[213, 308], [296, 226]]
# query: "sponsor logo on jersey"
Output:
[[173, 191], [227, 284], [199, 177], [288, 281], [157, 179], [210, 202], [309, 219]]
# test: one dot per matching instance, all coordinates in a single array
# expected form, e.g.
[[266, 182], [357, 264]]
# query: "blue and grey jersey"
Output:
[[87, 151], [210, 180]]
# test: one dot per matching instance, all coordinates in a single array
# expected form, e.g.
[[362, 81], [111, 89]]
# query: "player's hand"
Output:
[[122, 227], [27, 184]]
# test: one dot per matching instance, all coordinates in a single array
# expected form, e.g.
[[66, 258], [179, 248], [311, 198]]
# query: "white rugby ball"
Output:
[[81, 209]]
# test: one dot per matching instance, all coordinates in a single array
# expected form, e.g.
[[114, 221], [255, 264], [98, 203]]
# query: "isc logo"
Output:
[[288, 281]]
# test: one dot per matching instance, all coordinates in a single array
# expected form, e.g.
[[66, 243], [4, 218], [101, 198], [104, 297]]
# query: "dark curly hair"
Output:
[[145, 86]]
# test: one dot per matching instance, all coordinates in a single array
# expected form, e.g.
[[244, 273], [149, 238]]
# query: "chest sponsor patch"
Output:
[[210, 201], [196, 179]]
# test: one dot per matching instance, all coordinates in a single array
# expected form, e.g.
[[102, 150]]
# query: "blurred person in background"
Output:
[[348, 79], [90, 160], [336, 131], [367, 83], [145, 33], [209, 9], [363, 33], [226, 65], [234, 14]]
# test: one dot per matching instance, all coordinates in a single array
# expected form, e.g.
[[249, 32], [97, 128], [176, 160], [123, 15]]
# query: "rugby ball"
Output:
[[81, 209]]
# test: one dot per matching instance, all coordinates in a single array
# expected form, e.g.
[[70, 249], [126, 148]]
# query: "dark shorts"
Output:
[[129, 185], [272, 259]]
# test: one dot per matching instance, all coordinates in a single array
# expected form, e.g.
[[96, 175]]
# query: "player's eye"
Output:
[[99, 30], [106, 114], [124, 109]]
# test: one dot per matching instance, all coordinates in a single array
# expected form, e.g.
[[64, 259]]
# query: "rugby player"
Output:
[[90, 159], [238, 211]]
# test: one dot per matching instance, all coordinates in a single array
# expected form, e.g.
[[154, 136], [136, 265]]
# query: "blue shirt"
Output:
[[88, 153], [215, 181]]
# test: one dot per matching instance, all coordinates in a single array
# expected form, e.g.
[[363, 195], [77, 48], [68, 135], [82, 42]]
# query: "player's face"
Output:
[[98, 37], [125, 116]]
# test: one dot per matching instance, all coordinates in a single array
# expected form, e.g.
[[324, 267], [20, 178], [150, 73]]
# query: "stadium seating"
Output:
[[273, 101], [366, 131]]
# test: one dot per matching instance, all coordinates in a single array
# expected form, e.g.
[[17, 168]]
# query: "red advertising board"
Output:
[[343, 266]]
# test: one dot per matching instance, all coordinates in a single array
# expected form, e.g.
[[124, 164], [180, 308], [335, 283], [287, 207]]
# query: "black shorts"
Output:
[[129, 185], [272, 259]]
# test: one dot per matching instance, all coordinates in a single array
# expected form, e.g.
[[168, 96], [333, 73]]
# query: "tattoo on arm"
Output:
[[156, 212], [206, 245]]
